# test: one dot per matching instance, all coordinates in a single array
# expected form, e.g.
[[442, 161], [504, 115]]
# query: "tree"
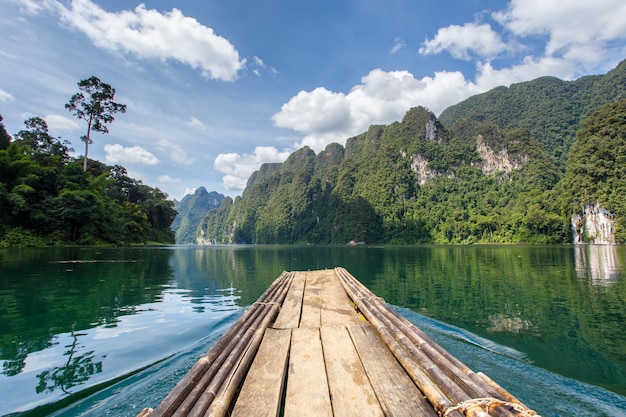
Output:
[[5, 138], [39, 142], [94, 104]]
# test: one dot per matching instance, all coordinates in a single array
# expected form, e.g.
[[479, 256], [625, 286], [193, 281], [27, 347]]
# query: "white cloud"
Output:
[[325, 110], [117, 154], [463, 42], [5, 97], [175, 151], [33, 7], [58, 123], [195, 122], [149, 34], [398, 45], [530, 68], [261, 66], [259, 62], [382, 97], [187, 192], [166, 179], [239, 167], [569, 25]]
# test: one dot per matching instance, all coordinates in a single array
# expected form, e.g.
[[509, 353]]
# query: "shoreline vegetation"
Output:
[[528, 163], [48, 198]]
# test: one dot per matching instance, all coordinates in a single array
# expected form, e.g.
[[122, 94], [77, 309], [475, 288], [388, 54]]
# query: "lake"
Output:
[[109, 331]]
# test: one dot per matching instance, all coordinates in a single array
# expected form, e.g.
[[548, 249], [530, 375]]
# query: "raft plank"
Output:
[[396, 392], [312, 302], [350, 390], [307, 387], [336, 310], [262, 389], [289, 316]]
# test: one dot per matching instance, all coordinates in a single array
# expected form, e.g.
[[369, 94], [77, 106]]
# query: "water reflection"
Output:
[[78, 368], [72, 318], [100, 313], [599, 263]]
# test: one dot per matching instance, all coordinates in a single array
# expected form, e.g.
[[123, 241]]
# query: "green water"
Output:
[[108, 331]]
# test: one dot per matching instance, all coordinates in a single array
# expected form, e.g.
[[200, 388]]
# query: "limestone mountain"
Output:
[[191, 210], [490, 169]]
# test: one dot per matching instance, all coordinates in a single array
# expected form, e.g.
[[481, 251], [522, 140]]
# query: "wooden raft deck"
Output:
[[319, 343]]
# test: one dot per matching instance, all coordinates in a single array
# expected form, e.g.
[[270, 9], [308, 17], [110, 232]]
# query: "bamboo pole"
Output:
[[203, 392], [198, 373], [460, 375], [190, 387], [433, 393], [471, 383], [459, 383], [209, 394], [223, 400], [504, 393]]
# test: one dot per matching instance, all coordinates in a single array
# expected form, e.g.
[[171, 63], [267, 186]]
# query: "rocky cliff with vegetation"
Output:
[[191, 210], [514, 164]]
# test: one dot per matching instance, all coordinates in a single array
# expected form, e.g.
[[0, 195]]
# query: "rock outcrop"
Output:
[[499, 161], [595, 225]]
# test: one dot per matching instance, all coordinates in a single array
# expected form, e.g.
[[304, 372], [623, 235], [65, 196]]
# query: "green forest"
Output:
[[508, 166], [49, 198], [511, 165]]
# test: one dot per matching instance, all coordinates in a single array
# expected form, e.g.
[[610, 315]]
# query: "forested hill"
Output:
[[551, 109], [191, 210], [489, 170], [47, 198]]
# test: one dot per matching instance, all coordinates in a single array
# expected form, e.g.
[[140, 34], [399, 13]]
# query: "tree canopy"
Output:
[[46, 198], [94, 104]]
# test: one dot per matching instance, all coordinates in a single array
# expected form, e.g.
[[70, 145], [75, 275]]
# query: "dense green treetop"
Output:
[[47, 198]]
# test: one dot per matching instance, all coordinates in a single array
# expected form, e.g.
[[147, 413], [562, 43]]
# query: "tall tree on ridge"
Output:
[[94, 104]]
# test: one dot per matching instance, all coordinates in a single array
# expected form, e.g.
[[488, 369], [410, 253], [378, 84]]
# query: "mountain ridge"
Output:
[[487, 170]]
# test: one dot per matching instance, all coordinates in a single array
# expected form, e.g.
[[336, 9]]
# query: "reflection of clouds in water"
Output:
[[598, 263]]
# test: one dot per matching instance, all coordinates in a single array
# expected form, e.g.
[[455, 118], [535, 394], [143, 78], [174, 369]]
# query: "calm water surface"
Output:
[[109, 331]]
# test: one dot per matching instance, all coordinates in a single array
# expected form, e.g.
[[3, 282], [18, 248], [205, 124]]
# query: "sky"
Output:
[[215, 88]]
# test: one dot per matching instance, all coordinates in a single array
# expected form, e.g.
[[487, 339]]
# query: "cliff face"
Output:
[[494, 174], [595, 225], [497, 161], [191, 209]]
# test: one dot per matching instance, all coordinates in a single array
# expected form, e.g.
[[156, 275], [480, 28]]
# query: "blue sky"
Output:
[[215, 88]]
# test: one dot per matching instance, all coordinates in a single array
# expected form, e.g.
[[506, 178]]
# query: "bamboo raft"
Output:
[[319, 343]]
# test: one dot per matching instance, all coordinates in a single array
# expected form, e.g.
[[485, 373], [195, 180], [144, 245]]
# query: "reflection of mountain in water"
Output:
[[599, 263]]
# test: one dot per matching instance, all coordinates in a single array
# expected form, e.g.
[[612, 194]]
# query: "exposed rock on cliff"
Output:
[[595, 225], [499, 161]]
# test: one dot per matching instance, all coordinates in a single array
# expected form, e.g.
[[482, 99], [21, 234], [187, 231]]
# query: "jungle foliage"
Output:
[[495, 176], [46, 198], [596, 167]]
